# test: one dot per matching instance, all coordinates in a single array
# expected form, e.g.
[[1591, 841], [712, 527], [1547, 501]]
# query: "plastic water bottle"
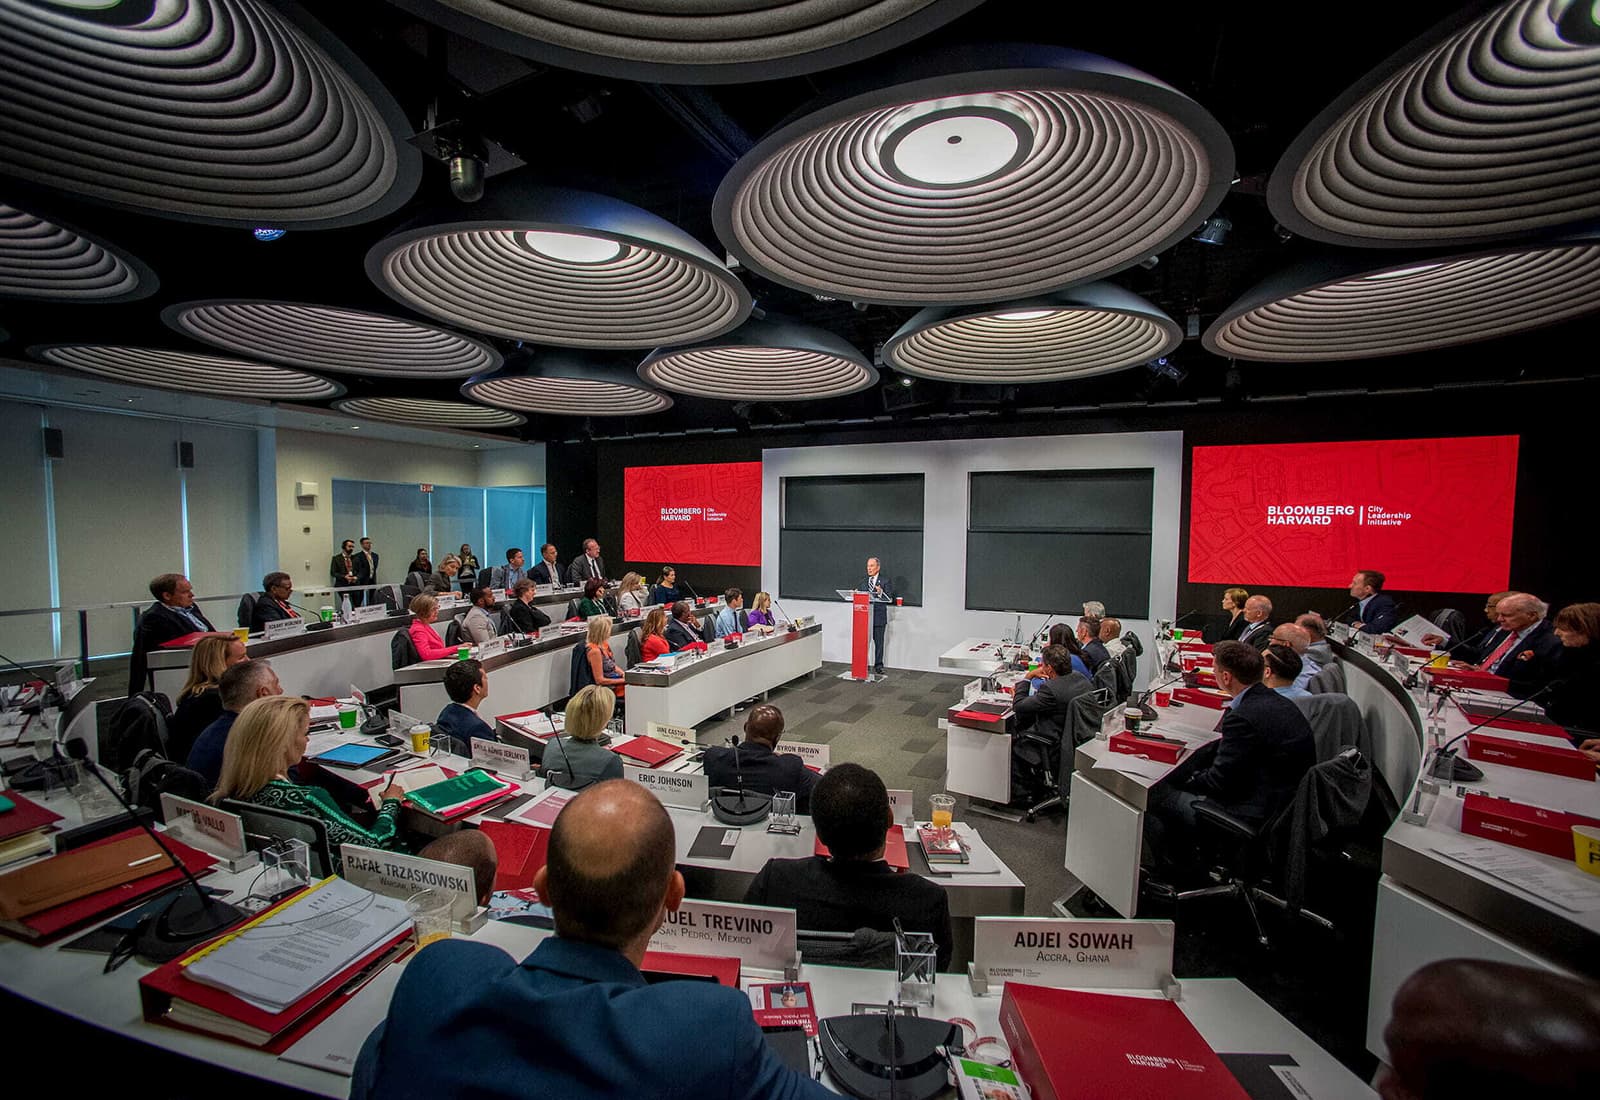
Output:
[[345, 613]]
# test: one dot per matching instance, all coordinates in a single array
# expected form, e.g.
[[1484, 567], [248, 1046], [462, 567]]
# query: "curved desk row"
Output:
[[699, 687]]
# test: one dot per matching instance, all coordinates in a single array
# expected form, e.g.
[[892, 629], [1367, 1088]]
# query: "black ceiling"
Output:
[[1264, 69]]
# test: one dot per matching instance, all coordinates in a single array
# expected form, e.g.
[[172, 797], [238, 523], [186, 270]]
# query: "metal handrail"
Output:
[[198, 599]]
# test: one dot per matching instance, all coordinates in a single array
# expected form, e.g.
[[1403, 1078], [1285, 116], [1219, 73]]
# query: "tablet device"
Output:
[[354, 756]]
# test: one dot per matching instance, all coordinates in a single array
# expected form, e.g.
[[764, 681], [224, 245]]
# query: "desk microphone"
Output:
[[690, 587], [1415, 675], [1142, 700], [49, 697], [1460, 770], [1179, 620], [738, 806], [190, 918], [1043, 630], [565, 759], [781, 611]]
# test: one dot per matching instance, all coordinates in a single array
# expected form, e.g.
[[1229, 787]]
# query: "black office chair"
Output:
[[1452, 622], [1128, 661], [865, 948], [1132, 641], [413, 586], [452, 632], [708, 629], [572, 609], [402, 650], [1107, 681], [265, 826], [633, 648], [1050, 760], [247, 609]]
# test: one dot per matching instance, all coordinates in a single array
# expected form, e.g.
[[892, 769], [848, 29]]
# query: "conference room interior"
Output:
[[147, 429]]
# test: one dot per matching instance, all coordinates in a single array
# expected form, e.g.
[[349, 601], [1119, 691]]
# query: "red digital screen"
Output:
[[1433, 515], [707, 514]]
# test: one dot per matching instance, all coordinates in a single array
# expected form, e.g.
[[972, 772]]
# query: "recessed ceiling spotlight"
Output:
[[956, 143], [1214, 231], [572, 248], [267, 233]]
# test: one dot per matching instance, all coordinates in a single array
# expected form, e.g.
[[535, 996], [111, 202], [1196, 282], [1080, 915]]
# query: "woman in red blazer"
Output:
[[429, 645]]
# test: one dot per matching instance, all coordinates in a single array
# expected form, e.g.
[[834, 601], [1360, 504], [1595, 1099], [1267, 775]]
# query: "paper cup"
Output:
[[1586, 848], [327, 614], [1163, 698], [243, 634], [348, 717], [421, 738]]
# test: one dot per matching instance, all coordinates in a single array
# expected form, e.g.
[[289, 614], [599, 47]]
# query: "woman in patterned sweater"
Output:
[[268, 738]]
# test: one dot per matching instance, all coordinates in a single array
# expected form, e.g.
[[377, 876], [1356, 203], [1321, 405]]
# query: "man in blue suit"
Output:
[[1376, 611], [576, 1019], [877, 584]]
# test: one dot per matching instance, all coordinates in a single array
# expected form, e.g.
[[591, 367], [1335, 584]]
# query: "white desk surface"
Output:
[[974, 654]]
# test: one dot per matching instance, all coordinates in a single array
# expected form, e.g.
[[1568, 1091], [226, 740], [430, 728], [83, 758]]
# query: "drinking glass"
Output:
[[942, 813]]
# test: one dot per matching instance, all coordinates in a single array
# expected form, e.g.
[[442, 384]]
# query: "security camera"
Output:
[[466, 176]]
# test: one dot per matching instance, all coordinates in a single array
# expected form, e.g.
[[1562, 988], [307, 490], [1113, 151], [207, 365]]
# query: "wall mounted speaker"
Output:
[[55, 445], [185, 455]]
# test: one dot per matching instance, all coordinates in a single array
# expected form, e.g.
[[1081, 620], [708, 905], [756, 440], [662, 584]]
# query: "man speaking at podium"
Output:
[[878, 586]]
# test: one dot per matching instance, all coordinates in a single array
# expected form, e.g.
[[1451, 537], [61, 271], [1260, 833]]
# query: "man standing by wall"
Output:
[[878, 585], [366, 572]]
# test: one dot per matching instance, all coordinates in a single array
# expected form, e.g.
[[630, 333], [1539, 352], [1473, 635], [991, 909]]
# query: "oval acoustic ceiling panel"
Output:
[[1092, 329], [693, 41], [326, 338], [766, 360], [979, 176], [1481, 130], [220, 111], [427, 413], [1366, 305], [567, 268], [560, 383], [183, 370], [45, 259]]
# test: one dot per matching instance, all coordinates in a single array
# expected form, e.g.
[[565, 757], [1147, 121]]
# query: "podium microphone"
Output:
[[189, 918], [738, 806]]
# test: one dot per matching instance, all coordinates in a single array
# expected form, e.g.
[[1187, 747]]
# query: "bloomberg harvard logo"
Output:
[[1323, 515]]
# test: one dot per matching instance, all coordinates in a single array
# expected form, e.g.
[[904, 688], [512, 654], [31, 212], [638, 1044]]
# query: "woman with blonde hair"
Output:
[[631, 594], [576, 759], [655, 643], [760, 614], [445, 579], [267, 740], [1233, 603], [602, 665], [430, 647], [200, 702]]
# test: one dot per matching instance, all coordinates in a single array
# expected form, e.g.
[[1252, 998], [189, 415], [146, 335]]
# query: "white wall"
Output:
[[918, 635]]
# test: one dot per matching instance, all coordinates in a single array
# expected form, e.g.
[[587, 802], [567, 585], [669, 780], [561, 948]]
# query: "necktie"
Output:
[[594, 568], [1499, 652], [293, 614]]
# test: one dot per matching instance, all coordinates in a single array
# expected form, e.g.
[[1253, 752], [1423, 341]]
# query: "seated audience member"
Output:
[[468, 848], [1045, 704], [1573, 700], [1480, 645], [1266, 748], [588, 564], [852, 887], [684, 629], [1111, 636], [576, 759], [654, 641], [548, 569], [524, 615], [1094, 609], [1281, 668], [200, 701], [445, 579], [1298, 639], [459, 1022], [172, 616], [268, 739], [421, 563], [665, 590], [1376, 611], [760, 618], [1257, 622], [602, 665], [1318, 651], [1476, 1028], [631, 594], [1233, 606], [1527, 648], [728, 618], [594, 599], [430, 647], [1094, 651], [241, 685], [506, 576], [1063, 635], [273, 604], [467, 684], [478, 625], [759, 762]]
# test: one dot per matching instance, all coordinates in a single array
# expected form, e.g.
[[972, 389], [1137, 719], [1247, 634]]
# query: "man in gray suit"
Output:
[[589, 564]]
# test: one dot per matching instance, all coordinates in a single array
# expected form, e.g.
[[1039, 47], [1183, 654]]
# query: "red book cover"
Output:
[[1205, 697], [25, 817], [1539, 755], [1134, 745], [1186, 646], [522, 850], [647, 750], [1066, 1045], [188, 641], [785, 1005], [894, 849], [1467, 678], [724, 970], [547, 809], [1532, 827]]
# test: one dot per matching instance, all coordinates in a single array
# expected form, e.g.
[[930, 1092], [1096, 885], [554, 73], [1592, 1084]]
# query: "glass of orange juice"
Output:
[[430, 915], [943, 812]]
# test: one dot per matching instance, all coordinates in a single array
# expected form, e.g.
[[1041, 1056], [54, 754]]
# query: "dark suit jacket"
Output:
[[545, 573], [763, 770], [1266, 747], [463, 723], [266, 611], [1381, 616], [1480, 645], [463, 1013], [1234, 627], [1256, 634], [158, 623], [189, 720], [1095, 655], [365, 575], [527, 617], [832, 895], [578, 569], [1531, 663], [679, 634], [1048, 709], [336, 569], [1574, 696], [880, 611]]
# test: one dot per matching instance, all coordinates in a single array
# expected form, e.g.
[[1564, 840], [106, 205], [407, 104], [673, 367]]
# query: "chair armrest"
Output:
[[1208, 813]]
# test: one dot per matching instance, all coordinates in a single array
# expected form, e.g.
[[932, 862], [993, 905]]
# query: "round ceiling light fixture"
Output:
[[427, 413], [1481, 130], [229, 112], [693, 41], [563, 383], [325, 338], [210, 375], [564, 268], [45, 259], [1092, 329], [765, 360], [1347, 307], [978, 176]]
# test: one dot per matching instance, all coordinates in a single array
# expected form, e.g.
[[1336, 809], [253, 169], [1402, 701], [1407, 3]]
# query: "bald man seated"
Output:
[[757, 764], [576, 1019]]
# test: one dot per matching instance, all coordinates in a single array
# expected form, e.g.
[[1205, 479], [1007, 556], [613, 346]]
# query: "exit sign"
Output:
[[426, 488]]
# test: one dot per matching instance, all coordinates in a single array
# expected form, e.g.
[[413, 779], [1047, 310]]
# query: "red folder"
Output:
[[1134, 745], [1532, 827], [1467, 678], [522, 850], [1068, 1044], [25, 818], [894, 849], [647, 750], [1535, 755], [724, 970], [1205, 697]]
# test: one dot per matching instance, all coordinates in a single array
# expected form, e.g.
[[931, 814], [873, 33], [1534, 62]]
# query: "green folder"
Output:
[[441, 799]]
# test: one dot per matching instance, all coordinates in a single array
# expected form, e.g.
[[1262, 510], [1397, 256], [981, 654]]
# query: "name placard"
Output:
[[1061, 951], [686, 789], [399, 876], [758, 936], [497, 757], [971, 690], [284, 628], [901, 806], [684, 735], [368, 613], [492, 648], [814, 755], [214, 831]]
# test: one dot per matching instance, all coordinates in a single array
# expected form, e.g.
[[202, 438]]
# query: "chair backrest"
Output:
[[582, 674], [413, 586], [1085, 715], [1330, 678], [138, 724], [402, 650], [1336, 724], [572, 609], [634, 647], [866, 948], [265, 825], [1107, 680], [708, 629], [247, 609], [1452, 622], [1129, 660], [452, 632]]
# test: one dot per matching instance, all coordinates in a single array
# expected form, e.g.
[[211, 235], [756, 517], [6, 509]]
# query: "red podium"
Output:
[[860, 633]]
